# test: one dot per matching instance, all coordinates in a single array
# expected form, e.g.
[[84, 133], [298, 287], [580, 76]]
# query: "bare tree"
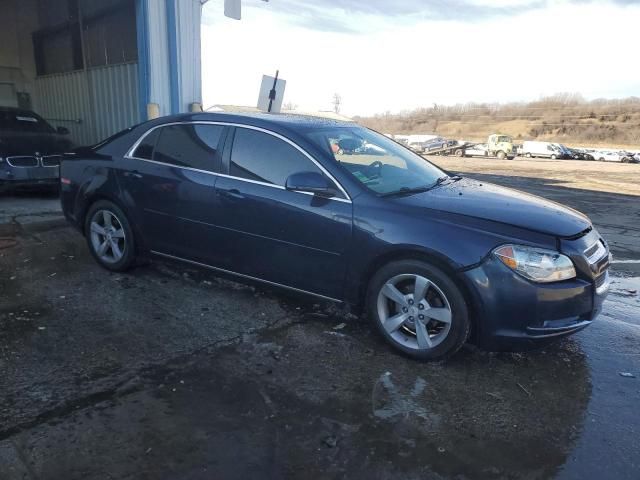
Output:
[[337, 101]]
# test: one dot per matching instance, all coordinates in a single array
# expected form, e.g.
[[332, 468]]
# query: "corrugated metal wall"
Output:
[[63, 99], [104, 101], [188, 70], [188, 19], [115, 93], [159, 87]]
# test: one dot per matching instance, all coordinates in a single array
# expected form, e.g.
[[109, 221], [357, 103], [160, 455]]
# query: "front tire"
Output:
[[501, 155], [109, 236], [418, 310]]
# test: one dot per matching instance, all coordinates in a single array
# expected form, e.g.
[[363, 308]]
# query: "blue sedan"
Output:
[[433, 259]]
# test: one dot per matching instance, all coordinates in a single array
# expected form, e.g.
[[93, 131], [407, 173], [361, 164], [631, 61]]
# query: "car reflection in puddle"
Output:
[[482, 416], [388, 402]]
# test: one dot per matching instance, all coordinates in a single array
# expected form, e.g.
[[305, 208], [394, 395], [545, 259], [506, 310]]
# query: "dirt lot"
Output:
[[599, 176], [168, 372]]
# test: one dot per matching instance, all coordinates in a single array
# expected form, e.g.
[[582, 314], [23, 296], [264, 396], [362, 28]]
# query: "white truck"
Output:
[[531, 149]]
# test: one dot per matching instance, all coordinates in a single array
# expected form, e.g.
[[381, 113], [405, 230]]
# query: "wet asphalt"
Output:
[[168, 372]]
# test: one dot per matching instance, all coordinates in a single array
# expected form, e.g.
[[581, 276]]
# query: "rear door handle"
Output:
[[134, 174]]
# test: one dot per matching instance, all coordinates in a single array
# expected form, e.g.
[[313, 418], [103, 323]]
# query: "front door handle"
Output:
[[233, 194], [133, 174]]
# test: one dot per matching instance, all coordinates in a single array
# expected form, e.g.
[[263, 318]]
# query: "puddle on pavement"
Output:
[[295, 402]]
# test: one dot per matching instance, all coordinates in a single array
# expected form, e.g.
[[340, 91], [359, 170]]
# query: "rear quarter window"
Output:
[[145, 148]]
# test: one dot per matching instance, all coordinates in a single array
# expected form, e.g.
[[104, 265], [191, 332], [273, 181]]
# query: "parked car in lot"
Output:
[[533, 149], [575, 154], [30, 149], [606, 156], [480, 150], [586, 154], [437, 144], [433, 259], [628, 157]]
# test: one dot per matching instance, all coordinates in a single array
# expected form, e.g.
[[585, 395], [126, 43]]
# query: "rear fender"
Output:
[[103, 185]]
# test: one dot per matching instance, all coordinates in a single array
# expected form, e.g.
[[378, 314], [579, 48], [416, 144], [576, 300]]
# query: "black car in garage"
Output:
[[30, 149]]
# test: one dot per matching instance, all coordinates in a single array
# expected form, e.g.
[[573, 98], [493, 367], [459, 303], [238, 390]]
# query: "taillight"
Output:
[[65, 181]]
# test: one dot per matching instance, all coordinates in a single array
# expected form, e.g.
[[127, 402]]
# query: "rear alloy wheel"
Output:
[[109, 236], [418, 310]]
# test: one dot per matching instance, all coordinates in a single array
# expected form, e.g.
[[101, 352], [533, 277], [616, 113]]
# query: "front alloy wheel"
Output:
[[418, 309], [414, 311]]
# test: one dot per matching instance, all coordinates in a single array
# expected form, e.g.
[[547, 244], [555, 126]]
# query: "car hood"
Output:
[[28, 143], [499, 204]]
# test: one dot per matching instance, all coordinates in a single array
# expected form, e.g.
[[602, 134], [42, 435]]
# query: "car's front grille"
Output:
[[595, 252], [51, 161], [22, 161]]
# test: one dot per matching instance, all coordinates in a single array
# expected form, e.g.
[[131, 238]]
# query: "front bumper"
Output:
[[513, 313]]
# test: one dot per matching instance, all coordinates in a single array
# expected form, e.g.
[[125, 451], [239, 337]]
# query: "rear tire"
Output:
[[109, 236], [528, 155], [418, 310]]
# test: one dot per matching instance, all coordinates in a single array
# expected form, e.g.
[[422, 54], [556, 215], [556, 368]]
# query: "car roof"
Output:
[[287, 121]]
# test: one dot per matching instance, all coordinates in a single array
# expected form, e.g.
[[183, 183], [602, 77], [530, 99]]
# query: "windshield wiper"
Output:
[[410, 191], [406, 191]]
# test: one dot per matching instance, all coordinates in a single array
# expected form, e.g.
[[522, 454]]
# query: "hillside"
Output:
[[565, 118]]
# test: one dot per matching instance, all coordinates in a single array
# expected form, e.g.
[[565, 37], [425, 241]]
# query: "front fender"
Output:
[[456, 242]]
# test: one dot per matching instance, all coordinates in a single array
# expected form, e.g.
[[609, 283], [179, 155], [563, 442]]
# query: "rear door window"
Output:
[[265, 158], [189, 145]]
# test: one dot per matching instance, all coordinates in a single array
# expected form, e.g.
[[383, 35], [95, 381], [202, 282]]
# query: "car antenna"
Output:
[[272, 92]]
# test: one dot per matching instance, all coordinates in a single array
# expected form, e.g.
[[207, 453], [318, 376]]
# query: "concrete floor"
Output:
[[169, 372]]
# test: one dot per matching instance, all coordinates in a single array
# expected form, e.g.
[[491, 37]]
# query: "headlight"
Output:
[[537, 264]]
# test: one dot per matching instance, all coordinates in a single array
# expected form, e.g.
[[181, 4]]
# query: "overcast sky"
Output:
[[393, 55]]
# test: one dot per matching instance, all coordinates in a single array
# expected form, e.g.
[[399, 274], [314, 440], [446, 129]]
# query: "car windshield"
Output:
[[379, 163], [504, 139], [23, 121]]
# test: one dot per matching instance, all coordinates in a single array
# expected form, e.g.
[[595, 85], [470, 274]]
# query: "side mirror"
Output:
[[312, 182], [62, 131]]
